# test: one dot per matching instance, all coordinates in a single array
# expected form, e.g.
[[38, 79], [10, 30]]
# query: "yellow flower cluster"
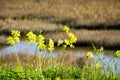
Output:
[[89, 54], [59, 42], [15, 34], [31, 37], [100, 50], [41, 42], [51, 45], [10, 41], [66, 29], [68, 42], [72, 38], [117, 53]]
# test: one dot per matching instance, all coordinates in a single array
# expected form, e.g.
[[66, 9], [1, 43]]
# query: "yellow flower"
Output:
[[72, 38], [89, 54], [71, 45], [97, 66], [41, 46], [41, 42], [51, 45], [31, 38], [15, 33], [57, 78], [66, 29], [59, 42], [16, 39], [10, 40], [117, 53], [101, 49], [66, 42], [41, 37]]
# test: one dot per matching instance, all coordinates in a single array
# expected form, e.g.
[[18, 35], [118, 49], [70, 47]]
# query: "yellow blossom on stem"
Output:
[[66, 29], [41, 42], [10, 40], [66, 42], [15, 33], [72, 38], [101, 49], [59, 42], [16, 39], [89, 54], [41, 46], [51, 45], [31, 38], [41, 37], [71, 46], [117, 53]]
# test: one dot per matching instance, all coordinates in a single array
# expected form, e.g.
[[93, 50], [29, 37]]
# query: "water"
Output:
[[23, 47]]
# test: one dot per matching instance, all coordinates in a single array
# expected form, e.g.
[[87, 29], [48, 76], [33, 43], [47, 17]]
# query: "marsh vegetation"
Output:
[[63, 66]]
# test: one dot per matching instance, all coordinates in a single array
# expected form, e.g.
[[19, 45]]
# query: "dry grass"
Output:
[[10, 60], [27, 25], [30, 61], [72, 12]]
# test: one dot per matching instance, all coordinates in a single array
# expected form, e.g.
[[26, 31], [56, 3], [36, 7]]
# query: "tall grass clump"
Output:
[[46, 67]]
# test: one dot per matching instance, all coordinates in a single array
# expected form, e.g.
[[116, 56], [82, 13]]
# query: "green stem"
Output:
[[40, 59], [17, 57], [51, 59], [27, 52], [115, 65], [60, 56], [65, 53], [44, 61]]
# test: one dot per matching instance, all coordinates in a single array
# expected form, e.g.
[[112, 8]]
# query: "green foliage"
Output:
[[65, 73]]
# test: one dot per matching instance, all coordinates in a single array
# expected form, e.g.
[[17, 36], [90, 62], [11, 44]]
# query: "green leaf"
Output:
[[18, 69]]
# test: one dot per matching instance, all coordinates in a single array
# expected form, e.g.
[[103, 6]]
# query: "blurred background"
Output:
[[96, 21]]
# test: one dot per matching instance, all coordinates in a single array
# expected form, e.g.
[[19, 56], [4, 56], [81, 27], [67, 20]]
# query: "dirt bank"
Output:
[[107, 38]]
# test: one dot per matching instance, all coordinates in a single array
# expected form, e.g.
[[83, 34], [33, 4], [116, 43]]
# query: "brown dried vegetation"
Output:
[[31, 61], [74, 12]]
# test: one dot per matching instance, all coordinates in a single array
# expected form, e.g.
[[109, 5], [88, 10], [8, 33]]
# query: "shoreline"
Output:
[[109, 39]]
